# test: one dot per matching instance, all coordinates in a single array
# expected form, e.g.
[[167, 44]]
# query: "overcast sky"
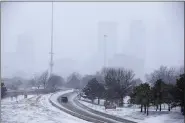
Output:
[[76, 33]]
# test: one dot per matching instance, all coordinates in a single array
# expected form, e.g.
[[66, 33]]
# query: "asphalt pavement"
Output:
[[89, 114]]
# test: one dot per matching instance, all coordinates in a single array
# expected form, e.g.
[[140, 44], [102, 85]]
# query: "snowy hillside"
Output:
[[134, 114], [36, 109]]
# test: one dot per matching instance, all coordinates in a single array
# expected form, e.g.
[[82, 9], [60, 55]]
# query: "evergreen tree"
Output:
[[94, 90], [141, 95], [159, 86], [180, 92], [168, 95], [3, 90]]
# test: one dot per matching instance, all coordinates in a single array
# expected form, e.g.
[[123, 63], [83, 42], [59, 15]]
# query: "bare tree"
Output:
[[99, 77], [18, 83], [43, 79], [55, 81], [164, 73], [127, 83], [74, 80], [85, 80], [37, 82], [32, 82], [179, 71], [118, 81], [170, 76], [137, 81]]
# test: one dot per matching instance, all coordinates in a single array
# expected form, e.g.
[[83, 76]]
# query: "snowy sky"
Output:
[[76, 34]]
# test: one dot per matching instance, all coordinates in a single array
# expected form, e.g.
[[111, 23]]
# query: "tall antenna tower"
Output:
[[51, 52], [105, 51]]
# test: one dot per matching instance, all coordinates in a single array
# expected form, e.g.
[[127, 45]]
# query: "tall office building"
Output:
[[157, 45], [137, 47], [107, 45], [137, 40]]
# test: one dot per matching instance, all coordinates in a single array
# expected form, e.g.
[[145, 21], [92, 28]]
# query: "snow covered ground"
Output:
[[8, 100], [35, 109], [125, 100], [134, 114]]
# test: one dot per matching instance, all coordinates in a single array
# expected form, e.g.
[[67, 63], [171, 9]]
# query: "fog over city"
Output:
[[139, 36]]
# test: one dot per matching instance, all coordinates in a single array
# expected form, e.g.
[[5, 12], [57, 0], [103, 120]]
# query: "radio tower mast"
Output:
[[105, 51], [51, 52]]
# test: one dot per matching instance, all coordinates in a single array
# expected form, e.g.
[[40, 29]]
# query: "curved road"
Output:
[[96, 116]]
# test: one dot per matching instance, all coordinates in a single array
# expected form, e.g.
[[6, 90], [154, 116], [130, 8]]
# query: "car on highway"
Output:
[[64, 99]]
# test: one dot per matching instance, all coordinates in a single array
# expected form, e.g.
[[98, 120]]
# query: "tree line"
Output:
[[115, 85], [158, 94], [164, 85]]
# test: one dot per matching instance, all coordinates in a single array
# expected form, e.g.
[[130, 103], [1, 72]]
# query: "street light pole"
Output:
[[105, 50]]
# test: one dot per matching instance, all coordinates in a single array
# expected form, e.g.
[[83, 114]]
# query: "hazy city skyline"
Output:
[[76, 36]]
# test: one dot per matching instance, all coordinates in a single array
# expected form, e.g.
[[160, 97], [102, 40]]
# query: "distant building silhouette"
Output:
[[137, 40]]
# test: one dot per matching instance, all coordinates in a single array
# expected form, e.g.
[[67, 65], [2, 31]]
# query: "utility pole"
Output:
[[105, 50], [51, 52]]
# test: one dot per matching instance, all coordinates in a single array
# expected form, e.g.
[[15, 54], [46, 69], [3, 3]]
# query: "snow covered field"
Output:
[[35, 109], [8, 100], [134, 114]]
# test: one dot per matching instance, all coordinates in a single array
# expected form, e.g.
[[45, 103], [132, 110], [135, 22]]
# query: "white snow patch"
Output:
[[134, 114], [165, 118], [9, 100], [35, 110], [126, 99]]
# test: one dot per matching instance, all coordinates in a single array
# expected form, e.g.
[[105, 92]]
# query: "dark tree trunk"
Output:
[[160, 107], [121, 101], [141, 108], [145, 108], [168, 107], [98, 100], [182, 110], [156, 107]]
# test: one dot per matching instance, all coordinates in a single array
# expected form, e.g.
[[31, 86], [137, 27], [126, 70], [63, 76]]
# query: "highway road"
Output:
[[92, 116]]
